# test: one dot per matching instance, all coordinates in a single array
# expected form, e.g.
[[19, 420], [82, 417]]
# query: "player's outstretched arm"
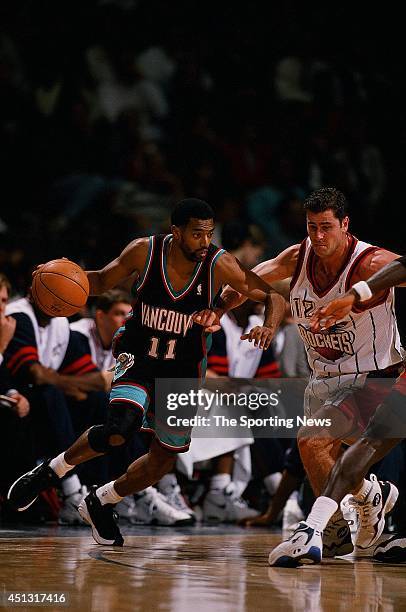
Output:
[[250, 285], [274, 272], [131, 260], [390, 275]]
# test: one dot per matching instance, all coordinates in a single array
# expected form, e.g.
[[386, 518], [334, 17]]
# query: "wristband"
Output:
[[362, 290]]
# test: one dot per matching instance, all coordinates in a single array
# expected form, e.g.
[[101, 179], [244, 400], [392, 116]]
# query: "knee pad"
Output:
[[121, 421]]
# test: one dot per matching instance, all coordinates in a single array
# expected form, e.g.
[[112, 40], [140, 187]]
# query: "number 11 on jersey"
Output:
[[170, 348]]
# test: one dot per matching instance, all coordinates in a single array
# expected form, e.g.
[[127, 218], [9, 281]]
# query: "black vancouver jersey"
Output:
[[160, 333]]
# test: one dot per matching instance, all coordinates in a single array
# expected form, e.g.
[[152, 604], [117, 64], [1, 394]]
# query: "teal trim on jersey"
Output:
[[207, 339], [192, 278], [213, 263], [141, 278]]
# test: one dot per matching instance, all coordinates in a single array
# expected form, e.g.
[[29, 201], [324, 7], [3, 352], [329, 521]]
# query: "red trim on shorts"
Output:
[[127, 401], [179, 449]]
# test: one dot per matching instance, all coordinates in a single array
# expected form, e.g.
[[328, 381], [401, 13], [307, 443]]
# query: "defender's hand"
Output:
[[209, 319], [260, 335], [333, 311]]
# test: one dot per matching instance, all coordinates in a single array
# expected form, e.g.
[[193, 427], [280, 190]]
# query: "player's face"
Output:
[[110, 321], [3, 300], [194, 239], [326, 232]]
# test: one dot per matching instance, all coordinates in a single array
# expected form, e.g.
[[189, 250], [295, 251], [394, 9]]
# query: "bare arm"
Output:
[[391, 275], [386, 276], [243, 284], [275, 272], [131, 260]]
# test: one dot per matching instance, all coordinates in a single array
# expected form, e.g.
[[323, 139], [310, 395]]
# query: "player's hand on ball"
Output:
[[40, 266], [209, 319], [333, 311], [261, 336]]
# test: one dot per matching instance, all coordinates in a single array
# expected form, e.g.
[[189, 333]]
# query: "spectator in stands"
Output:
[[42, 361]]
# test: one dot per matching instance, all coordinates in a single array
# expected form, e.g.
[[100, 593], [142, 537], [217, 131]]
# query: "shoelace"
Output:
[[364, 511]]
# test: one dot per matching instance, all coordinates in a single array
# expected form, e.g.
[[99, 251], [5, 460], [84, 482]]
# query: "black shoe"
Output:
[[392, 550], [101, 518], [25, 490]]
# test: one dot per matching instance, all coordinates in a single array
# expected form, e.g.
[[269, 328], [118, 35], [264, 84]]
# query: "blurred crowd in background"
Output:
[[113, 110]]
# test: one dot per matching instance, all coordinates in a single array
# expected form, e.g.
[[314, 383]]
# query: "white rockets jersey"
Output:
[[102, 357], [363, 341]]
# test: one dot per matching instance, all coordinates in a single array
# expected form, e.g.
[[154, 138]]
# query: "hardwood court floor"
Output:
[[199, 569]]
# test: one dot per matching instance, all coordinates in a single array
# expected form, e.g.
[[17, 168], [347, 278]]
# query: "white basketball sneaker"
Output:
[[225, 506], [126, 508], [68, 514], [151, 508], [371, 511], [349, 513], [168, 486], [292, 515], [304, 547]]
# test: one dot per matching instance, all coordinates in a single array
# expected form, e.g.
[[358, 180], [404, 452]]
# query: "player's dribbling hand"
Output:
[[260, 335], [333, 311], [38, 268], [209, 319]]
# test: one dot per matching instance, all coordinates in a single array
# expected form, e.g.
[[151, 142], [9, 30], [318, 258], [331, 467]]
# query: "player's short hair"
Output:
[[4, 282], [327, 198], [190, 208], [109, 298]]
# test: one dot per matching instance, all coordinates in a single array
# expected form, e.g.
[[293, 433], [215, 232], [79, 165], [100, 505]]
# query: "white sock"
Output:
[[70, 485], [59, 465], [321, 512], [272, 482], [107, 494], [364, 490], [218, 482]]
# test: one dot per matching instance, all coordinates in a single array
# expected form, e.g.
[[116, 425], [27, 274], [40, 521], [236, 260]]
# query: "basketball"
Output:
[[60, 288]]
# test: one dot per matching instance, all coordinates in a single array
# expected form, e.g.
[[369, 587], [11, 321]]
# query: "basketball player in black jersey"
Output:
[[178, 277]]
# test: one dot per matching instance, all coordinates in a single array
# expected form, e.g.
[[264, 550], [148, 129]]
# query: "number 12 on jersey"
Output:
[[170, 348]]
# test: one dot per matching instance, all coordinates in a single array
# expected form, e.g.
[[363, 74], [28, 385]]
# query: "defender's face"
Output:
[[326, 232], [194, 239], [113, 319]]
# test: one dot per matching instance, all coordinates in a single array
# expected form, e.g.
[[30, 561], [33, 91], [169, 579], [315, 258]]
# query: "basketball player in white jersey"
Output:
[[366, 343], [383, 431]]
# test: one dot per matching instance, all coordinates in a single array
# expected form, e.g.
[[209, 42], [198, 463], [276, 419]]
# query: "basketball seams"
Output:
[[36, 297], [57, 296], [65, 276]]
